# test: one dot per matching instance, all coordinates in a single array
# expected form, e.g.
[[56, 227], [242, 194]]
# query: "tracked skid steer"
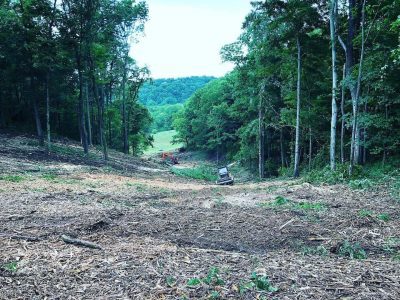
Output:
[[223, 176]]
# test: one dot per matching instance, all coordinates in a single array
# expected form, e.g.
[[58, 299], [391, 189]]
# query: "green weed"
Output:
[[284, 202], [365, 213], [259, 282], [353, 251], [171, 281], [12, 266], [320, 250], [12, 178], [49, 176], [193, 281], [384, 217]]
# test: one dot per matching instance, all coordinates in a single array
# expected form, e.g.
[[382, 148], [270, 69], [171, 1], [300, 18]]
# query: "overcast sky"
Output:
[[184, 37]]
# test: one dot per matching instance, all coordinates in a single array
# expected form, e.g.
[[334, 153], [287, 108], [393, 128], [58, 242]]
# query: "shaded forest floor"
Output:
[[166, 237]]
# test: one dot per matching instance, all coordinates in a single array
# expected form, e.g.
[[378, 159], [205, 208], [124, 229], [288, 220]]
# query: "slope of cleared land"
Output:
[[165, 237]]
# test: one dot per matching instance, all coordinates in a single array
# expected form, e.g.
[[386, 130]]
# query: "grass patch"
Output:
[[49, 176], [12, 178], [201, 172]]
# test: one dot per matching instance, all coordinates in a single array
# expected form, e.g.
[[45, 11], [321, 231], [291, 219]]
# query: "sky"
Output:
[[184, 37]]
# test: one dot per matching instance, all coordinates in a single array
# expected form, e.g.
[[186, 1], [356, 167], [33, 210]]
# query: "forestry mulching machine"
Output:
[[224, 177]]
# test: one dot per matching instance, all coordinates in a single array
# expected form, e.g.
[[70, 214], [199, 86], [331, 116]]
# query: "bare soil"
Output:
[[157, 231]]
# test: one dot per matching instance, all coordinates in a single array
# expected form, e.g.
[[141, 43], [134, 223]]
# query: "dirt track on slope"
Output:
[[157, 231]]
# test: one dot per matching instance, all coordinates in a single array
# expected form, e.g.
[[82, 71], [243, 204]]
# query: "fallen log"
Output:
[[69, 240]]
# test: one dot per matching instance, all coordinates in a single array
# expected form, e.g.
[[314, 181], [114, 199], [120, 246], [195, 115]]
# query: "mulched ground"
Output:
[[158, 231]]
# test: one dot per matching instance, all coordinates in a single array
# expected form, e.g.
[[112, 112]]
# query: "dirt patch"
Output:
[[157, 231]]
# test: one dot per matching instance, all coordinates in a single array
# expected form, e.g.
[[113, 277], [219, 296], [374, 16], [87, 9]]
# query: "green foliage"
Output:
[[320, 251], [194, 281], [284, 202], [171, 281], [361, 183], [326, 175], [12, 266], [353, 251], [12, 178], [260, 282], [49, 176], [163, 116], [223, 117], [384, 217], [202, 172], [171, 90], [213, 277], [279, 200], [364, 213]]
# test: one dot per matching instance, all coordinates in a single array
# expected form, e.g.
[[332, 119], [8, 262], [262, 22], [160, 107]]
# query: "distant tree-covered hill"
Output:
[[172, 90]]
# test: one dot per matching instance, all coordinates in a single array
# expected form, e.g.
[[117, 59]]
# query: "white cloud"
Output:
[[183, 38]]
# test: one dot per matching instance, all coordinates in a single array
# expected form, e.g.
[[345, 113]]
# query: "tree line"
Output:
[[65, 70], [165, 97], [315, 83]]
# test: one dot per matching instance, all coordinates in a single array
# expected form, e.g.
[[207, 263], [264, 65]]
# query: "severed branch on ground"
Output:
[[69, 240]]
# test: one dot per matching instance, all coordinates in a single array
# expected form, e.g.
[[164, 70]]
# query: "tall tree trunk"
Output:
[[282, 149], [82, 123], [310, 149], [354, 155], [261, 131], [88, 118], [101, 124], [364, 157], [48, 113], [343, 120], [124, 117], [297, 142], [332, 152], [2, 115], [39, 129]]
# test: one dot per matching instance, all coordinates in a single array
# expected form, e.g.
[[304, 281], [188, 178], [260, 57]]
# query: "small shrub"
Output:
[[200, 172], [279, 200], [12, 178], [361, 184], [262, 283], [353, 251]]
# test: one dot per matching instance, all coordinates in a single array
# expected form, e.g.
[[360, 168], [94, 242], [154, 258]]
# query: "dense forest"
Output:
[[165, 97], [316, 83], [65, 70], [171, 90]]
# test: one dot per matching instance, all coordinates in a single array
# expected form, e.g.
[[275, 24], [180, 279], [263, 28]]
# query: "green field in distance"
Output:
[[163, 142]]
